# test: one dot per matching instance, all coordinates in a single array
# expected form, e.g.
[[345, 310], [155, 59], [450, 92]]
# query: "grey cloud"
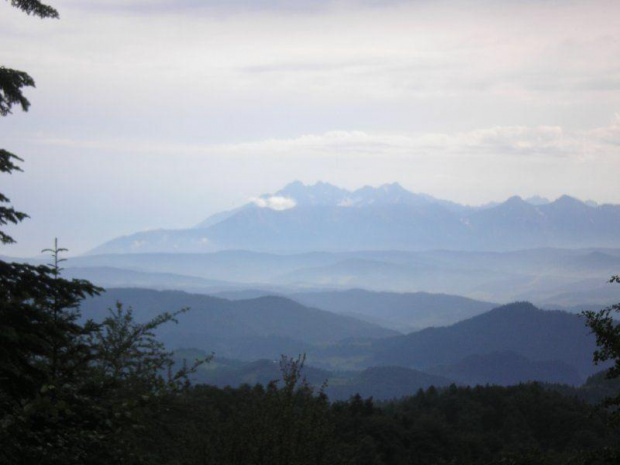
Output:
[[300, 67], [393, 66], [163, 6], [599, 84]]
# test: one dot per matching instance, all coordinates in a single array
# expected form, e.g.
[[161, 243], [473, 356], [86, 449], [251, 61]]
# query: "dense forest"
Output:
[[481, 425]]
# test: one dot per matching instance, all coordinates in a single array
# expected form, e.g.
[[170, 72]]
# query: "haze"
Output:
[[146, 116]]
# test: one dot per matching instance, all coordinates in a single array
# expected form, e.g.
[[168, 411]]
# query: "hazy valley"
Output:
[[435, 312]]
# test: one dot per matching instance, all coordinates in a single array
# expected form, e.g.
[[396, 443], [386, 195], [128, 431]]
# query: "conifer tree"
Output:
[[71, 392], [42, 345]]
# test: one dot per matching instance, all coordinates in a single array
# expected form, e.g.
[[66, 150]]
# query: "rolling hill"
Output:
[[509, 344], [520, 328], [265, 327]]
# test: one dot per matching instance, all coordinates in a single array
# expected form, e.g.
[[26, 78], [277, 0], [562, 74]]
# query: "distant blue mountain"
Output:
[[265, 327], [514, 333], [401, 311], [302, 218]]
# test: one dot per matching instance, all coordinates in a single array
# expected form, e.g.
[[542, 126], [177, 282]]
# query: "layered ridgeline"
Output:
[[505, 336], [324, 217], [405, 312], [245, 329], [402, 311], [507, 345], [390, 382], [552, 278]]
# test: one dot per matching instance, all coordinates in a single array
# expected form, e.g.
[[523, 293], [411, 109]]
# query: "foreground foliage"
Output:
[[76, 393], [605, 326], [293, 425]]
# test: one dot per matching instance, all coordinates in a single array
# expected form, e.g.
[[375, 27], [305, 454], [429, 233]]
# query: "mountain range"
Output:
[[506, 345], [301, 218]]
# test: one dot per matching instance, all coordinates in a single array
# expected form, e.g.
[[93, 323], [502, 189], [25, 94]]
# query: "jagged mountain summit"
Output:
[[325, 194], [322, 194], [301, 218]]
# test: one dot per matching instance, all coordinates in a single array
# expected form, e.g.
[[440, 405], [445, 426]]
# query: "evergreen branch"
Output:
[[35, 8], [11, 84]]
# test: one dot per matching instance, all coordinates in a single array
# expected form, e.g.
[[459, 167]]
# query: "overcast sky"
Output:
[[157, 113]]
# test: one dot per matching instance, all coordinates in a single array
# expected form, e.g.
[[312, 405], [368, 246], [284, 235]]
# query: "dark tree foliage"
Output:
[[34, 337], [11, 84], [44, 363], [8, 214], [607, 332], [70, 392], [482, 425], [524, 424], [13, 81], [286, 422], [44, 351], [29, 329], [35, 8]]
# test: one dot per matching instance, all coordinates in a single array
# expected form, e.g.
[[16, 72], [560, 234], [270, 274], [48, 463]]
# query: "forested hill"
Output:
[[380, 383], [265, 327], [520, 328], [509, 344], [507, 369]]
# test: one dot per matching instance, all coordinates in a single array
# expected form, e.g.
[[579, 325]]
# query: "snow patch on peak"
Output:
[[274, 202]]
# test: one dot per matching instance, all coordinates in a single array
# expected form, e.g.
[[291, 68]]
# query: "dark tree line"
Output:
[[526, 424]]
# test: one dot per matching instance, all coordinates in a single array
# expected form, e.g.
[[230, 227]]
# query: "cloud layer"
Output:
[[499, 141]]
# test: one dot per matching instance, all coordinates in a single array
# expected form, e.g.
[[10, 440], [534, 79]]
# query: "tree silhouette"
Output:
[[71, 391], [607, 331], [35, 8], [43, 350]]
